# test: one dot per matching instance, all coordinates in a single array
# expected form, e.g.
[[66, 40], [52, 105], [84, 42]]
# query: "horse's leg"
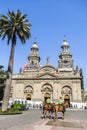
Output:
[[51, 113], [63, 115], [42, 116], [55, 115], [45, 114], [48, 113]]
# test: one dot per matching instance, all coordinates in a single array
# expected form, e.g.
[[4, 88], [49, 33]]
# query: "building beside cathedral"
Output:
[[37, 83]]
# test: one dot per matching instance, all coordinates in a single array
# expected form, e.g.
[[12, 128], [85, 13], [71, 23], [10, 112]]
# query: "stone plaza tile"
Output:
[[41, 125]]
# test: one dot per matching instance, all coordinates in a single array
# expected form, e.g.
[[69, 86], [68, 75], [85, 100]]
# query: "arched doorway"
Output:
[[46, 95], [28, 97], [47, 91], [28, 91], [67, 99]]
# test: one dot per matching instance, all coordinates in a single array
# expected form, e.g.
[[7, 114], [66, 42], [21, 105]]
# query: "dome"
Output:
[[35, 45], [65, 43]]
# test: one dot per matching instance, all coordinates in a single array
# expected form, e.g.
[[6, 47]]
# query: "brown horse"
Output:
[[59, 108], [47, 110]]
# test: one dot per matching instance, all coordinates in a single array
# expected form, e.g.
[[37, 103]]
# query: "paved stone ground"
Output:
[[58, 125], [74, 120], [67, 124]]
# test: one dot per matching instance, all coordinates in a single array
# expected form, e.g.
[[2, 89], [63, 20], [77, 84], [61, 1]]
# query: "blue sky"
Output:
[[50, 20]]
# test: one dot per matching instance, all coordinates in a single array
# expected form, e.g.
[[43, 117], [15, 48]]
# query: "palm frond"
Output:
[[14, 25]]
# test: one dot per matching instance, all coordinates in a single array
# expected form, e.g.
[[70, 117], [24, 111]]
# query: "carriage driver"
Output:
[[60, 101]]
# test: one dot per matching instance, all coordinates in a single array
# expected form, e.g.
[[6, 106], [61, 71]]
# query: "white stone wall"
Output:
[[56, 84]]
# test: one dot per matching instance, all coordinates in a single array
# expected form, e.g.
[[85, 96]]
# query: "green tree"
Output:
[[13, 26], [2, 82]]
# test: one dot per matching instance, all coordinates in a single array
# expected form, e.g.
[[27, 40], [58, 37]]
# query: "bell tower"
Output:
[[34, 58], [65, 62]]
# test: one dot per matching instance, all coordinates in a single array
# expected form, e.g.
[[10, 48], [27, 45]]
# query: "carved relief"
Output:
[[46, 69], [46, 88], [28, 89], [66, 90]]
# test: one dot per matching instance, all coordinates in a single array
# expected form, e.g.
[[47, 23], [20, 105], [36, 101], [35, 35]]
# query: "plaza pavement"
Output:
[[42, 125]]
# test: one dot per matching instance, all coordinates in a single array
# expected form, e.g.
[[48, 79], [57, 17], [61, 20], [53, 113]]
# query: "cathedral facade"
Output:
[[37, 83]]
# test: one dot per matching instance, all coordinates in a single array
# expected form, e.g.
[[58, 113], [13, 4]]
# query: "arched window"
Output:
[[32, 62]]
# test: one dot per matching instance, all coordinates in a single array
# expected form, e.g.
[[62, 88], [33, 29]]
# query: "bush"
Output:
[[10, 112], [18, 106]]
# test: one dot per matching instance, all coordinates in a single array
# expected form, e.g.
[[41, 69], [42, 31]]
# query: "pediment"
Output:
[[47, 75], [47, 69]]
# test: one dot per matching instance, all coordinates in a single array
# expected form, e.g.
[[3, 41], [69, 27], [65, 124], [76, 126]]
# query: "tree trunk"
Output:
[[9, 80]]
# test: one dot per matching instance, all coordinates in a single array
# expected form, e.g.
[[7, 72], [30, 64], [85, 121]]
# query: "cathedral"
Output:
[[37, 83]]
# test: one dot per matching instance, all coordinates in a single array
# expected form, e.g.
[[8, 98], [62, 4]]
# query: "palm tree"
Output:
[[13, 26]]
